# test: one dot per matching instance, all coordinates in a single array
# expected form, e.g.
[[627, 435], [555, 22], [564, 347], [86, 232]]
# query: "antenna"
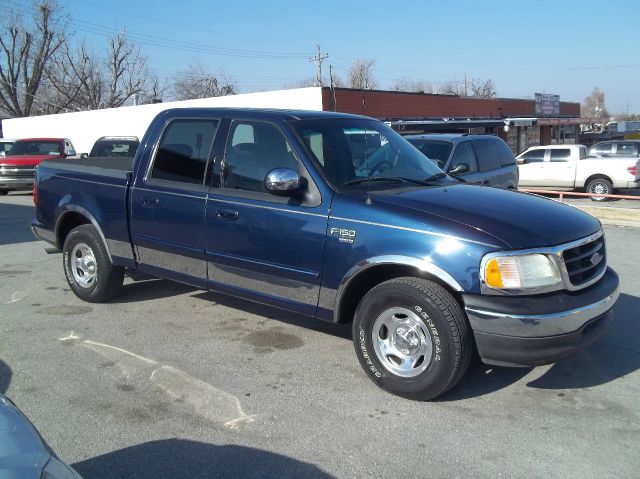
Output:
[[318, 59]]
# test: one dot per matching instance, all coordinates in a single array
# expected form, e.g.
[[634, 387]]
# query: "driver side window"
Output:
[[464, 154], [253, 150]]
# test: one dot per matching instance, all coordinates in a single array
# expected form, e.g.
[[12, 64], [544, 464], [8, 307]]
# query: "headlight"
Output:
[[520, 271]]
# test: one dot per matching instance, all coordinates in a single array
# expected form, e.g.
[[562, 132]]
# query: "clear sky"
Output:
[[564, 47]]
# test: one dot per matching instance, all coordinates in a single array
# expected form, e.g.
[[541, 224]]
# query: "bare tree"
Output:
[[594, 106], [198, 82], [361, 74], [26, 48], [483, 88], [84, 81], [311, 81], [407, 85], [453, 88]]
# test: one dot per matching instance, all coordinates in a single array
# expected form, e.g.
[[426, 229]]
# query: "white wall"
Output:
[[85, 127]]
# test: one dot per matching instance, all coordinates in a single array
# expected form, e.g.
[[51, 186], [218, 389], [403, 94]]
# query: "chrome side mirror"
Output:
[[282, 181]]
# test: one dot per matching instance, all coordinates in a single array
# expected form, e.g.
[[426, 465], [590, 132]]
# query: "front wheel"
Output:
[[599, 186], [87, 266], [412, 338]]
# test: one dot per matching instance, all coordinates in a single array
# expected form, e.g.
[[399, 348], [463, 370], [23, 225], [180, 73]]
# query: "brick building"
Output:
[[514, 120]]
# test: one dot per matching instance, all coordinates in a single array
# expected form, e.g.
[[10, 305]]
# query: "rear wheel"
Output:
[[412, 338], [599, 186], [87, 266]]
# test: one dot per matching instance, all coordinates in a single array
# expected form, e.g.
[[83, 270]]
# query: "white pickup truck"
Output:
[[606, 167]]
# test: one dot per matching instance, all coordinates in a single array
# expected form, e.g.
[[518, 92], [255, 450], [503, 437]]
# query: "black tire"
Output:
[[3, 192], [599, 185], [106, 280], [435, 313]]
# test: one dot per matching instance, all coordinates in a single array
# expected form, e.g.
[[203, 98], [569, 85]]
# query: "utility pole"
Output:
[[628, 105], [318, 59]]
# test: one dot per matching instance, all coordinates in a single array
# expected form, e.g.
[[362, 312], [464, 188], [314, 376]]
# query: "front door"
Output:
[[168, 203], [532, 172], [258, 244]]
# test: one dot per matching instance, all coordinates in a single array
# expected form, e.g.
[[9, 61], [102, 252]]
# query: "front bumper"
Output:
[[16, 182], [535, 330]]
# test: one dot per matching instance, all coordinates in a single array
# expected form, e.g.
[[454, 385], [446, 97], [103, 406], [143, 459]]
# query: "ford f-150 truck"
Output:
[[269, 206]]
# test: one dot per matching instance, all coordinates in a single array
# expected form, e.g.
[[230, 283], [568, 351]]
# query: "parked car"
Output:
[[482, 159], [269, 205], [568, 167], [17, 169], [114, 146], [23, 451], [5, 146]]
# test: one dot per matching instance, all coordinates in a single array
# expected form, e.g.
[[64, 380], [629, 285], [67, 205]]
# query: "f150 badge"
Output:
[[344, 235]]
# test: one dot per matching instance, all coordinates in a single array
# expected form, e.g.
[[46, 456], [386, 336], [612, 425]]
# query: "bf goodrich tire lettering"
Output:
[[412, 338]]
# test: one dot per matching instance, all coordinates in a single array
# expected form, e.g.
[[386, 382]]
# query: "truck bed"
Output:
[[117, 167]]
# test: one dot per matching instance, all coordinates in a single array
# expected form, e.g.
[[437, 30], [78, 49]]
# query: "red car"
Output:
[[17, 169]]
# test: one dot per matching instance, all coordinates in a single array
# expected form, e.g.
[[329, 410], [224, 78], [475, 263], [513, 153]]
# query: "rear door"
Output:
[[561, 168], [257, 244], [168, 202]]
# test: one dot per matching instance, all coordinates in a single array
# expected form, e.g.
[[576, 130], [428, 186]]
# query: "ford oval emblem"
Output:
[[596, 258]]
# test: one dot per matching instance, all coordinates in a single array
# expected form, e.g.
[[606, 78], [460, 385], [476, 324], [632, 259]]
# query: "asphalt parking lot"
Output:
[[169, 381]]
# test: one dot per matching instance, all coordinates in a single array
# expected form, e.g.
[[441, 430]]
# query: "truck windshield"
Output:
[[35, 148], [349, 149]]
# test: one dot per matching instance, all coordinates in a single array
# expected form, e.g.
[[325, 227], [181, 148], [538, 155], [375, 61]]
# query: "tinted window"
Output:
[[464, 154], [627, 149], [183, 151], [434, 149], [487, 154], [601, 149], [36, 148], [534, 156], [114, 148], [560, 154], [506, 155], [254, 149]]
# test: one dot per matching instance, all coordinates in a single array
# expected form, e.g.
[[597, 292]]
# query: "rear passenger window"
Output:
[[487, 155], [464, 154], [183, 151], [507, 157], [627, 149], [560, 154], [602, 150], [254, 149]]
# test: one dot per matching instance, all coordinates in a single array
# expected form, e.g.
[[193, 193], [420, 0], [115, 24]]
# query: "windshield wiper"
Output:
[[398, 179], [437, 176]]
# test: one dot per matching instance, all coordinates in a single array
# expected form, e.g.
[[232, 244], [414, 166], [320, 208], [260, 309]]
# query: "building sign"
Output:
[[547, 105]]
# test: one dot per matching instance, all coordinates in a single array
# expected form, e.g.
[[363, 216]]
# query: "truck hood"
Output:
[[520, 220], [26, 160]]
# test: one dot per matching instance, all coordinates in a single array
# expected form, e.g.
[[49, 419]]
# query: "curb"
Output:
[[614, 216]]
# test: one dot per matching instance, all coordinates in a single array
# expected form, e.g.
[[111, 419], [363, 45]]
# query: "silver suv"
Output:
[[482, 159], [608, 149]]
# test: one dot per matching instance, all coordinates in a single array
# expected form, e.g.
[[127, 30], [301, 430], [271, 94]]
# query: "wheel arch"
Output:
[[365, 275], [72, 217], [595, 176]]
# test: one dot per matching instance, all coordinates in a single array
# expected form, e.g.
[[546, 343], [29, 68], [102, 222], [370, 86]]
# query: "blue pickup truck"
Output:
[[272, 206]]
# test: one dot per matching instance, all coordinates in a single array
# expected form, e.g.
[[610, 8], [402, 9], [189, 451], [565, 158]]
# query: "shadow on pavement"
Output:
[[14, 223], [5, 376], [614, 355], [148, 289], [180, 458]]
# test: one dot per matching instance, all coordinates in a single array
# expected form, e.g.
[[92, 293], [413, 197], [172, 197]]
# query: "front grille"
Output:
[[17, 170], [585, 262]]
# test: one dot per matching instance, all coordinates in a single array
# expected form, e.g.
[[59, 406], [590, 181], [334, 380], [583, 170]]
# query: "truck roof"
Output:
[[271, 113]]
